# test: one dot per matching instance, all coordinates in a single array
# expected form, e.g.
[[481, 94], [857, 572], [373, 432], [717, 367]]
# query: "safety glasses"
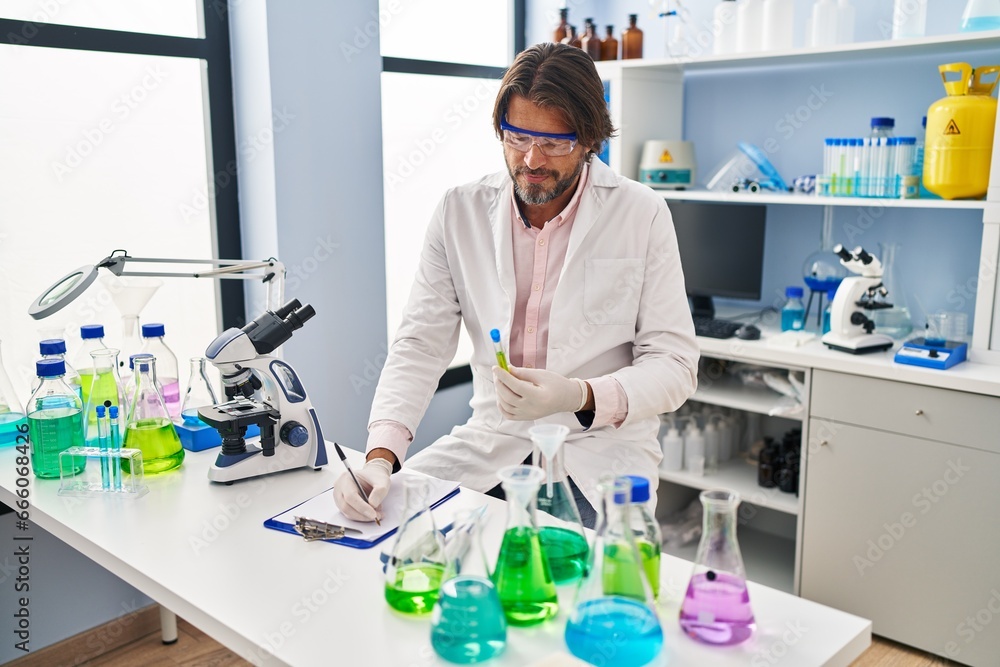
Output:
[[551, 145]]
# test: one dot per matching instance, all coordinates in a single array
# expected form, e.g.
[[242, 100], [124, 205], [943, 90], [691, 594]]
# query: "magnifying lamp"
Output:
[[73, 284]]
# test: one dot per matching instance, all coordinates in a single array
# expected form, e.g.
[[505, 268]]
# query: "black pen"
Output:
[[340, 453]]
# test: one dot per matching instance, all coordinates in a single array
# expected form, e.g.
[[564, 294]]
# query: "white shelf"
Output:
[[729, 392], [845, 53], [737, 475], [812, 200], [769, 560]]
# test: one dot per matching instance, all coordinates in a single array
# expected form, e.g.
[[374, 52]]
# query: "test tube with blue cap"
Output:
[[498, 349]]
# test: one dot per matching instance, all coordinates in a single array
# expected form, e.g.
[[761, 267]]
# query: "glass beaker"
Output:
[[894, 322], [149, 427], [105, 389], [467, 624], [199, 392], [564, 544], [522, 576], [12, 419], [716, 607], [602, 616], [54, 420], [416, 566]]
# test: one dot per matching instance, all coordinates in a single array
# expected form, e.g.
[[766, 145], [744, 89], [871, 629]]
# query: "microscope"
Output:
[[851, 330], [265, 391]]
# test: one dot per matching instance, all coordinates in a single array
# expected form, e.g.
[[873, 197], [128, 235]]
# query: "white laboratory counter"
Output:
[[200, 550]]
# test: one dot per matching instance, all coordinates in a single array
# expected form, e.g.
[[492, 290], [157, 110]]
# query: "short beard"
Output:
[[533, 195]]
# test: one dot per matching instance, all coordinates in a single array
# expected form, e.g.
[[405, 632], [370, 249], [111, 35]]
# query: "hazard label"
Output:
[[666, 156], [952, 127]]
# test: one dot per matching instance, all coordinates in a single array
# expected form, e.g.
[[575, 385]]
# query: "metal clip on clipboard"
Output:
[[314, 529]]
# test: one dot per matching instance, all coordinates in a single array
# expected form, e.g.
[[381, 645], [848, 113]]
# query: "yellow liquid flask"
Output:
[[149, 427], [467, 625], [614, 604], [522, 576], [415, 568], [105, 389], [561, 531]]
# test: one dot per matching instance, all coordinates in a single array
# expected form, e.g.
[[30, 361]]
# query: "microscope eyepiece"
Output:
[[864, 257], [288, 308], [297, 318], [842, 252]]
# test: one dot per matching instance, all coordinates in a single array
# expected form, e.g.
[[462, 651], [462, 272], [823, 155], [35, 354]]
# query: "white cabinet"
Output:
[[900, 514]]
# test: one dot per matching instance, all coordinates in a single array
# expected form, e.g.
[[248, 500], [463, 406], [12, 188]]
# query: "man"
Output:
[[579, 264]]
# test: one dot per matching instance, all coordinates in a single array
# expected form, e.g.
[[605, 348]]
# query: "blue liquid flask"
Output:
[[12, 419], [829, 308], [793, 315], [468, 624]]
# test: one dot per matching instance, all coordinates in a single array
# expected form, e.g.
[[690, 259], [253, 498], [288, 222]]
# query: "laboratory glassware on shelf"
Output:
[[614, 603], [562, 29], [55, 348], [778, 25], [909, 19], [93, 339], [417, 563], [522, 575], [105, 390], [54, 420], [631, 39], [467, 623], [896, 321], [981, 15], [821, 271], [609, 45], [645, 529], [149, 427], [564, 543], [12, 419], [793, 313], [724, 16], [716, 607], [590, 42], [166, 367]]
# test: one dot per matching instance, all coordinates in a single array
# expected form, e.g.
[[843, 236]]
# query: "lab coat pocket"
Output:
[[611, 289]]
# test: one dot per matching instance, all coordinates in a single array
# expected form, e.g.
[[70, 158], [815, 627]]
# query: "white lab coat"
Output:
[[619, 308]]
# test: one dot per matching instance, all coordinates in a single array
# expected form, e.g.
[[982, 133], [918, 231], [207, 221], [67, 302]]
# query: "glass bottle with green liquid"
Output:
[[563, 540], [149, 427], [54, 420], [12, 418], [614, 603], [55, 348], [646, 531], [522, 575], [105, 389], [467, 625], [93, 339], [415, 568]]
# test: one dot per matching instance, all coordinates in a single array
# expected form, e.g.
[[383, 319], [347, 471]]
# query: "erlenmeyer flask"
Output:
[[716, 607], [105, 389], [199, 392], [896, 321], [602, 616], [564, 543], [149, 427], [414, 571], [467, 625], [522, 575], [822, 271], [12, 418]]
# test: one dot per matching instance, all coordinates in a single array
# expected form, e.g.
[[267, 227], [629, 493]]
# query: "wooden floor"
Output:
[[195, 649]]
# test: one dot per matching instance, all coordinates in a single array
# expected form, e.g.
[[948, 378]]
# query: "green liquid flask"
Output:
[[614, 604], [646, 531], [93, 339], [54, 420], [562, 539], [415, 568], [149, 427], [12, 420], [105, 389], [522, 576], [468, 624]]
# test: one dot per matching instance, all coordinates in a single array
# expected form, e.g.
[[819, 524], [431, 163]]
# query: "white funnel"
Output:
[[130, 293], [549, 438]]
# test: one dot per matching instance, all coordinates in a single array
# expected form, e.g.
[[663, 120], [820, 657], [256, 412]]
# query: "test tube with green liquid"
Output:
[[498, 348]]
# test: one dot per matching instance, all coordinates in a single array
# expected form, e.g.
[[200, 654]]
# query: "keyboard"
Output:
[[709, 328]]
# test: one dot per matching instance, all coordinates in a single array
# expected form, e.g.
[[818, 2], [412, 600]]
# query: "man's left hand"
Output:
[[526, 394]]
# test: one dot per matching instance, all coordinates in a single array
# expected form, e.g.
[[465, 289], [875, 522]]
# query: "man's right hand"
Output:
[[374, 479]]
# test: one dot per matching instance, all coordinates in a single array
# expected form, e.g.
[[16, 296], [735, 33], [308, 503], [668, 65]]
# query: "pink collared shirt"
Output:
[[538, 260]]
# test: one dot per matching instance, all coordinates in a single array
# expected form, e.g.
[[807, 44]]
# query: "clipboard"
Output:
[[361, 535]]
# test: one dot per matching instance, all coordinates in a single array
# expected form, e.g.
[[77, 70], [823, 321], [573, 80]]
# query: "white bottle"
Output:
[[694, 448], [724, 26], [712, 447], [779, 22], [845, 22], [749, 25], [672, 445], [909, 19], [824, 23]]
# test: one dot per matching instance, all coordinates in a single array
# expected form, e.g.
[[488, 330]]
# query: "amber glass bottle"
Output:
[[590, 42], [563, 28], [575, 38], [631, 39], [609, 45]]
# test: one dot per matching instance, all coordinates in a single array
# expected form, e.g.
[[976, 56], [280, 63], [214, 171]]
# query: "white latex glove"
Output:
[[526, 394], [374, 479]]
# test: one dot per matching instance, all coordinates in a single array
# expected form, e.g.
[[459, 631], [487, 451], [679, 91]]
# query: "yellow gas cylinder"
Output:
[[960, 131]]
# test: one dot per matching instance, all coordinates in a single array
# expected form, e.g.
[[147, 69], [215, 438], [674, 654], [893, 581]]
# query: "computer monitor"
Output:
[[722, 251]]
